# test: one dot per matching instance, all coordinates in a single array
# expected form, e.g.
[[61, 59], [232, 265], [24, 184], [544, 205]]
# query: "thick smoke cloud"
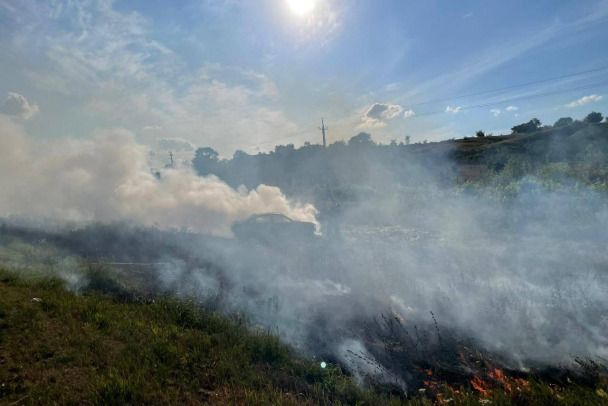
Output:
[[523, 278], [107, 178]]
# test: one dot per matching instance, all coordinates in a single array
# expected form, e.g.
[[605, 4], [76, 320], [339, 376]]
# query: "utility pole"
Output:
[[323, 128], [171, 157]]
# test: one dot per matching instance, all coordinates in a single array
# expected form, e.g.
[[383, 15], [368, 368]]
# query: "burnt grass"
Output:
[[57, 347], [116, 341]]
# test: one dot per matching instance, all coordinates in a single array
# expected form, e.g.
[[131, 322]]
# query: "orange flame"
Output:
[[479, 385], [397, 316]]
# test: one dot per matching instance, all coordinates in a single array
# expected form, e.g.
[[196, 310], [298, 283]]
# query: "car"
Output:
[[273, 228]]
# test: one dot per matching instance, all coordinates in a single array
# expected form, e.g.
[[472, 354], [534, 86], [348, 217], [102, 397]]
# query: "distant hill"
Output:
[[301, 171]]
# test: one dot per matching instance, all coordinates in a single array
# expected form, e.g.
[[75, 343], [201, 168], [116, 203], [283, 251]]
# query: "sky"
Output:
[[252, 74]]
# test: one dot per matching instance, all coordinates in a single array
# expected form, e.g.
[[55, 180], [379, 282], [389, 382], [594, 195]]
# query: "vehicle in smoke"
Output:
[[273, 228]]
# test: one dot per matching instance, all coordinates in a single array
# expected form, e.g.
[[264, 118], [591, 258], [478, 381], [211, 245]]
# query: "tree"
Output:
[[528, 127], [284, 149], [564, 121], [407, 140], [206, 161], [594, 117], [206, 153], [239, 154], [362, 139], [480, 134]]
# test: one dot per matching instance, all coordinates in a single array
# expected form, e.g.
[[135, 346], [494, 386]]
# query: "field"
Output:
[[109, 344]]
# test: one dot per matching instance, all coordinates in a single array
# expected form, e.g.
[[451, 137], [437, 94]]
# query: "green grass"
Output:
[[70, 349], [98, 348]]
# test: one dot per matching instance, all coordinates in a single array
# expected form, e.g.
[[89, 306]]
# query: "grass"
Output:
[[93, 348], [102, 347]]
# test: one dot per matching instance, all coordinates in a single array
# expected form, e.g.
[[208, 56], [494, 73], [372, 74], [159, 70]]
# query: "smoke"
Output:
[[523, 278], [107, 178]]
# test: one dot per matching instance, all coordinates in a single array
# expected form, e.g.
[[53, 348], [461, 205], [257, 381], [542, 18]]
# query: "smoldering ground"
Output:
[[524, 279]]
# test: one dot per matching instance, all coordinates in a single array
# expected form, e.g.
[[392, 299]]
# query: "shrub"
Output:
[[594, 117], [118, 391], [528, 127], [562, 122]]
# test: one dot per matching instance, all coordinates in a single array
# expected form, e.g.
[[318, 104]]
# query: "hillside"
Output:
[[303, 171], [94, 349], [111, 345]]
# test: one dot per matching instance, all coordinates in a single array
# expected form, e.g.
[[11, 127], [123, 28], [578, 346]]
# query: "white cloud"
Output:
[[17, 105], [512, 108], [379, 113], [391, 87], [409, 113], [175, 144], [370, 123], [496, 112], [585, 100], [108, 61], [225, 116], [154, 127], [454, 110]]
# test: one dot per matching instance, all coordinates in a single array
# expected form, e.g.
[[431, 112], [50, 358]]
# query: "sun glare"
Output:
[[301, 7]]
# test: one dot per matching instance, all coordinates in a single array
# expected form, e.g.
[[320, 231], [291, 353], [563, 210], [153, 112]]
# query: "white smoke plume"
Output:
[[107, 178], [524, 278]]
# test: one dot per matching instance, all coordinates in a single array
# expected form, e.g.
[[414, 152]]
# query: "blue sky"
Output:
[[249, 75]]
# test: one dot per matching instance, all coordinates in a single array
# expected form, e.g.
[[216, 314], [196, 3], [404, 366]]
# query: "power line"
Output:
[[507, 87], [299, 133], [534, 96]]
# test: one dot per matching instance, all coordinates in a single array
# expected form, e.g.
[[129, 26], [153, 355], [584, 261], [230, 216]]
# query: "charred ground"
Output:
[[471, 270], [125, 337]]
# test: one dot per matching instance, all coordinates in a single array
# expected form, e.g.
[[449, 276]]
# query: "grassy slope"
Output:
[[97, 349], [93, 349], [71, 349], [473, 149]]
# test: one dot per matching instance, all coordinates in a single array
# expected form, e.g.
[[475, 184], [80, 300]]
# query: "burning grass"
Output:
[[115, 342], [95, 348], [57, 347]]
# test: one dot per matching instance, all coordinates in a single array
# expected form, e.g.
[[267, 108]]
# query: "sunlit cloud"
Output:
[[512, 108], [409, 113], [155, 127], [496, 112], [301, 7], [453, 110], [585, 100], [379, 113]]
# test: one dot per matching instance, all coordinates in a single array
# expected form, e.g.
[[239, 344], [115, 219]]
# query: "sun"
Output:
[[301, 7]]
